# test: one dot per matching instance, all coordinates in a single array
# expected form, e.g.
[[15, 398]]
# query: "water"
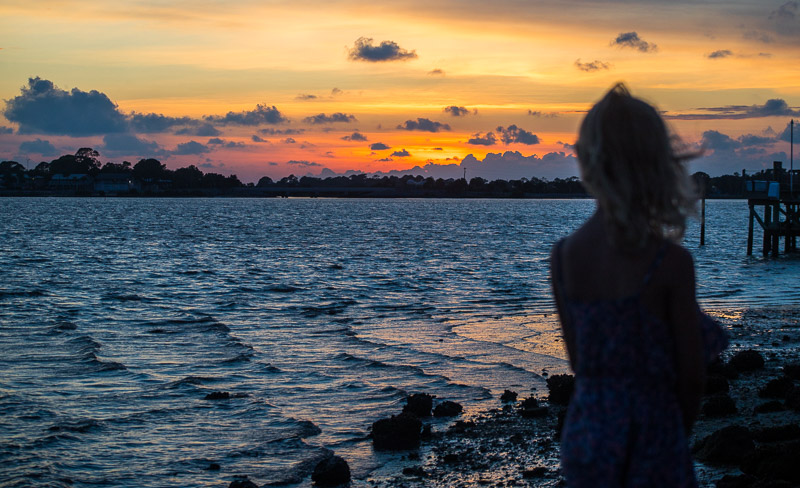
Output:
[[119, 316]]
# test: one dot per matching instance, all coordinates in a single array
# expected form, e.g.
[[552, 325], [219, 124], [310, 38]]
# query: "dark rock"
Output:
[[508, 396], [419, 404], [532, 413], [242, 483], [718, 367], [537, 472], [462, 426], [426, 432], [792, 371], [560, 387], [397, 432], [530, 402], [775, 462], [747, 360], [770, 407], [793, 398], [213, 467], [776, 388], [415, 471], [778, 433], [332, 471], [451, 458], [729, 445], [447, 409], [718, 405], [716, 383], [218, 395], [738, 481], [560, 422]]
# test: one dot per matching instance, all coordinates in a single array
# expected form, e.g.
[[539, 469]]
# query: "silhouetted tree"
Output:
[[264, 182], [190, 177], [149, 169]]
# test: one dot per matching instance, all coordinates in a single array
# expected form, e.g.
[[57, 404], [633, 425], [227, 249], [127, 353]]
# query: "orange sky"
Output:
[[75, 73]]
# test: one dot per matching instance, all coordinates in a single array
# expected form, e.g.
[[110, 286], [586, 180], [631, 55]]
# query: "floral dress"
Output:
[[624, 426]]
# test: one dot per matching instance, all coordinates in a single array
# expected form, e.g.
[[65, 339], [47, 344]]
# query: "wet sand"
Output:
[[501, 448]]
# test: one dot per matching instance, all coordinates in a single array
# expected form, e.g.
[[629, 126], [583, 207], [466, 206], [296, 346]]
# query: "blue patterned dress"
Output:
[[624, 426]]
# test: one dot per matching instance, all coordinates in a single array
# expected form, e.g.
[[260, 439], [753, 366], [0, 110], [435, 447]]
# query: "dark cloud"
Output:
[[425, 125], [514, 134], [289, 140], [717, 141], [6, 130], [128, 144], [566, 145], [378, 146], [216, 141], [43, 108], [456, 111], [385, 160], [436, 72], [547, 115], [771, 108], [304, 96], [355, 136], [335, 92], [786, 135], [632, 40], [483, 140], [754, 35], [719, 54], [785, 19], [364, 50], [255, 138], [152, 123], [39, 147], [593, 66], [401, 154], [438, 149], [203, 130], [190, 148], [278, 132], [329, 119], [513, 165], [262, 114], [723, 154], [302, 163], [307, 145]]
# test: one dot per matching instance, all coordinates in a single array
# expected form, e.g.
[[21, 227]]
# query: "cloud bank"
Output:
[[365, 50]]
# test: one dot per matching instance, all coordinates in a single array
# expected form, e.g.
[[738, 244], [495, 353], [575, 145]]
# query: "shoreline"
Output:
[[499, 447]]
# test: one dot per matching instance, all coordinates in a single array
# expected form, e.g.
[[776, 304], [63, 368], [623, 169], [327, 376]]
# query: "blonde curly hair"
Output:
[[635, 169]]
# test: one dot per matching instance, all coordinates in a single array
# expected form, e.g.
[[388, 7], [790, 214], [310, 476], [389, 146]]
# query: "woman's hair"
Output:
[[634, 168]]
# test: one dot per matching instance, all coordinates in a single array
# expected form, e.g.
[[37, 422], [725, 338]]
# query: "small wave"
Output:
[[330, 309], [20, 293], [80, 426], [122, 297], [63, 326], [214, 327], [283, 289], [239, 358], [189, 380]]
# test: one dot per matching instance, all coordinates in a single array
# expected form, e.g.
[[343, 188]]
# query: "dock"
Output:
[[778, 201]]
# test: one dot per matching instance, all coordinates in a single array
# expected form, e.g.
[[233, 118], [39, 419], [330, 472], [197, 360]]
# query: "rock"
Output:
[[242, 483], [508, 396], [537, 472], [770, 407], [447, 409], [778, 433], [451, 458], [419, 404], [775, 462], [738, 481], [530, 402], [718, 367], [718, 405], [560, 387], [747, 360], [776, 388], [716, 383], [397, 432], [729, 445], [218, 395], [533, 413], [415, 471], [332, 471], [560, 422], [213, 467], [793, 398], [792, 371]]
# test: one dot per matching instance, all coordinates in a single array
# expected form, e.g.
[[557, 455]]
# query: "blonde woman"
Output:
[[625, 292]]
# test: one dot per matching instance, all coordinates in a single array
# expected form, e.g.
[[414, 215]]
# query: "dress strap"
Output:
[[655, 264]]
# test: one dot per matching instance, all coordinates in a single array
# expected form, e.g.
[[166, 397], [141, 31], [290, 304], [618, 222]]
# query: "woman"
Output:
[[625, 291]]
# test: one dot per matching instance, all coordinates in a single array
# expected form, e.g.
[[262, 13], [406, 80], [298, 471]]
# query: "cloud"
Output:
[[216, 141], [425, 125], [436, 72], [39, 147], [719, 54], [771, 108], [289, 140], [6, 130], [302, 163], [538, 113], [43, 108], [304, 96], [593, 66], [277, 132], [632, 40], [262, 114], [513, 165], [335, 92], [401, 154], [152, 123], [378, 146], [355, 136], [456, 111], [190, 148], [203, 130], [724, 154], [483, 140], [128, 144], [364, 50], [786, 135], [785, 19], [256, 138], [514, 134], [328, 119], [755, 35]]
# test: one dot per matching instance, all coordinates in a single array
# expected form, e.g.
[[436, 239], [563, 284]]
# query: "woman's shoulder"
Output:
[[678, 261]]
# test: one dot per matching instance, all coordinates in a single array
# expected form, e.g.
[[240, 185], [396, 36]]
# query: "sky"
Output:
[[439, 88]]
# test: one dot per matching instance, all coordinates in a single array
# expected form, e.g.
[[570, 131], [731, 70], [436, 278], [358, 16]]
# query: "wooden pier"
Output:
[[778, 201]]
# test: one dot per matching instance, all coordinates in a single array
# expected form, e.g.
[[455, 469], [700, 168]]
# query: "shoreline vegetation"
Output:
[[82, 175]]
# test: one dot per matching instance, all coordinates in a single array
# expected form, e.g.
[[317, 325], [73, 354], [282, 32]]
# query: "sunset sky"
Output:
[[257, 88]]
